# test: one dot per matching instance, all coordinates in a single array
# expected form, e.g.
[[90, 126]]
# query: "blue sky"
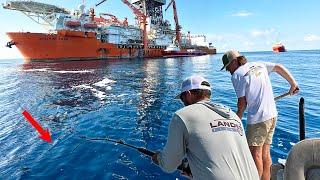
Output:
[[229, 24]]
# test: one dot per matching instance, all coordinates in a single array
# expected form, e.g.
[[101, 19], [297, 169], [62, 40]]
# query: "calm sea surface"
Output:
[[130, 100]]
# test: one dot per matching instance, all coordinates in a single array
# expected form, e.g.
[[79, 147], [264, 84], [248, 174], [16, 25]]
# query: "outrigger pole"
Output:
[[302, 123], [302, 120]]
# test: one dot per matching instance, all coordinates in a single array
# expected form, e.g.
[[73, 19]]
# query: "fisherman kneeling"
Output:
[[203, 133]]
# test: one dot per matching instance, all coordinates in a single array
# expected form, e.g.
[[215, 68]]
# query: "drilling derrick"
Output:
[[152, 8]]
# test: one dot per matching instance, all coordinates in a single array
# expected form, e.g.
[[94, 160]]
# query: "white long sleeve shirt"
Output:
[[213, 139]]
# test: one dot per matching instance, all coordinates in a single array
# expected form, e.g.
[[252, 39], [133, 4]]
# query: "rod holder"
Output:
[[302, 119]]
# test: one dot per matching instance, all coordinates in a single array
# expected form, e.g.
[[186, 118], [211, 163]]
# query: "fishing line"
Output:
[[184, 166], [140, 149]]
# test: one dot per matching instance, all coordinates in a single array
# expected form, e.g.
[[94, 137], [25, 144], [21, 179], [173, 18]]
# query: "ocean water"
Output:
[[132, 100]]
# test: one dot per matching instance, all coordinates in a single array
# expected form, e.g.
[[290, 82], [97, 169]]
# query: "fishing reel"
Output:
[[185, 168]]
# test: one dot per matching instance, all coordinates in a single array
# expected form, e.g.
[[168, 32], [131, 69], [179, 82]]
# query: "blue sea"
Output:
[[132, 100]]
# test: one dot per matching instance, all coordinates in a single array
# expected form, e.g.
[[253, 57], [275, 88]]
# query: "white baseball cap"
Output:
[[194, 82]]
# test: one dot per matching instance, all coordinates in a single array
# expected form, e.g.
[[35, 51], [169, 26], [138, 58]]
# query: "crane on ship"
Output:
[[141, 17], [175, 16], [41, 13], [106, 18]]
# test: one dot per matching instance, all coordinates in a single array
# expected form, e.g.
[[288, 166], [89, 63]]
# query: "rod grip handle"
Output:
[[184, 167], [146, 151]]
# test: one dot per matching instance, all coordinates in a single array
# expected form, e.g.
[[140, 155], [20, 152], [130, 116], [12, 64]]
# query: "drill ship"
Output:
[[278, 47], [82, 35]]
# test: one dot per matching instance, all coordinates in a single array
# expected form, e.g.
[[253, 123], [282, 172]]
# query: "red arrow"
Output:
[[44, 134]]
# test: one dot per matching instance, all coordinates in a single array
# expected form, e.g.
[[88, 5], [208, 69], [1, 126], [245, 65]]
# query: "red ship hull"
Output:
[[278, 48], [75, 45]]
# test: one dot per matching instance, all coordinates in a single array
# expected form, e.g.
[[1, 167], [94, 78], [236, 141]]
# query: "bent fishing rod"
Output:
[[286, 94], [281, 96], [184, 166], [140, 149]]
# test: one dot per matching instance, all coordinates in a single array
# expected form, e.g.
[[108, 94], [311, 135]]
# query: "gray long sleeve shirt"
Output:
[[213, 139]]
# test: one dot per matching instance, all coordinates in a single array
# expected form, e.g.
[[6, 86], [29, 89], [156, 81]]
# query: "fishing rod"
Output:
[[184, 166], [281, 96], [140, 149], [286, 94]]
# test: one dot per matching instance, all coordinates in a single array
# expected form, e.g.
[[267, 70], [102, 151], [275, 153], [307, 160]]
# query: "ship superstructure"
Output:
[[278, 47], [83, 34]]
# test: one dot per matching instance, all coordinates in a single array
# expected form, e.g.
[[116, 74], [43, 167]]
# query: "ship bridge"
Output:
[[41, 13]]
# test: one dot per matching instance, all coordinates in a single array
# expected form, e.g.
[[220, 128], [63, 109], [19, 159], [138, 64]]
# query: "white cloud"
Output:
[[214, 37], [249, 44], [225, 37], [259, 40], [311, 37], [224, 42], [255, 40], [263, 33], [268, 42], [242, 14]]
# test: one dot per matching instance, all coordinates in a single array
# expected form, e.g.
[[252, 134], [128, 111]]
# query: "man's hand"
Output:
[[188, 175], [242, 105], [155, 158], [185, 168], [294, 89]]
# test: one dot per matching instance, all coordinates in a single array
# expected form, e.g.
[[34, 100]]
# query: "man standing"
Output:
[[254, 91], [211, 136]]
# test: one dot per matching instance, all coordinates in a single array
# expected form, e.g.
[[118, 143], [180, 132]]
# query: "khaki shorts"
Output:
[[261, 133]]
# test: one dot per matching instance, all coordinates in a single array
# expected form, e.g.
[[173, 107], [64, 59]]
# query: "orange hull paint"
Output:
[[278, 48], [74, 45]]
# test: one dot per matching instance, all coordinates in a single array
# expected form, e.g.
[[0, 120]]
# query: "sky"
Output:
[[244, 25]]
